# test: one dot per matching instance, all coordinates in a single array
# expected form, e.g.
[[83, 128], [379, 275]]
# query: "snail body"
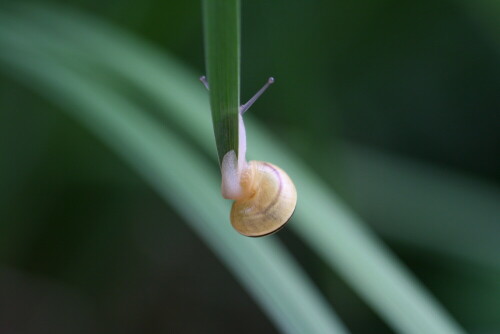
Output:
[[264, 195]]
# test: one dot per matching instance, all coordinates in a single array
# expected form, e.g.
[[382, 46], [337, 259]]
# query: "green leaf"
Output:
[[323, 221], [222, 45], [454, 207], [164, 160]]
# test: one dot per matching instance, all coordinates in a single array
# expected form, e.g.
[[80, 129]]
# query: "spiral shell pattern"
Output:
[[269, 201]]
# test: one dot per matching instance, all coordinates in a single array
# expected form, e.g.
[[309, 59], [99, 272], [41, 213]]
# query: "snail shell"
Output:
[[265, 196], [269, 201]]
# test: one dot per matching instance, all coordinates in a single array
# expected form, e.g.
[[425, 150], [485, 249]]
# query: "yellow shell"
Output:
[[269, 201]]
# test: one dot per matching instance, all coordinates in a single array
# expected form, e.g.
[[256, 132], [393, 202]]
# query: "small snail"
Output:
[[264, 195]]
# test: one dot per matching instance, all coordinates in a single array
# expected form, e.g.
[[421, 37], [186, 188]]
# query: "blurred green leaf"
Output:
[[322, 220], [263, 266], [462, 212]]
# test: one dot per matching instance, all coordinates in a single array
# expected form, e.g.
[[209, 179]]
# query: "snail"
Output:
[[264, 195]]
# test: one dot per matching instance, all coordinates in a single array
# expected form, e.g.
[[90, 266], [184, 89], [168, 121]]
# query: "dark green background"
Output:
[[86, 246]]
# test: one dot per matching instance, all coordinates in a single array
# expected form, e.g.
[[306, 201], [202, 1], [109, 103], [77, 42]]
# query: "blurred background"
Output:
[[394, 104]]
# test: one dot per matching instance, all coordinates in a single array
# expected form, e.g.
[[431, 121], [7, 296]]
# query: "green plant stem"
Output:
[[222, 56], [264, 267], [325, 224]]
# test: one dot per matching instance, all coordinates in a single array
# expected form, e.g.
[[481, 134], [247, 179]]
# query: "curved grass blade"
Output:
[[263, 266], [324, 222], [462, 212]]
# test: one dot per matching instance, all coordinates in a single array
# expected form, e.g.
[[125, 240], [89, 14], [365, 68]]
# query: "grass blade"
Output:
[[222, 45], [454, 207], [324, 222], [263, 266]]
